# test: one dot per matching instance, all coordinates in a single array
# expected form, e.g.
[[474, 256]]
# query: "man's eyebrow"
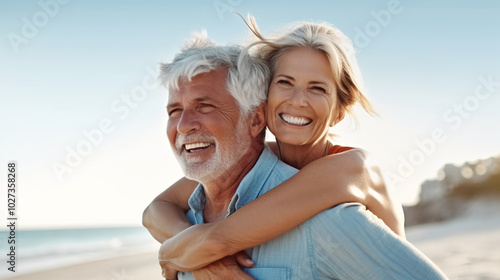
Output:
[[196, 100], [204, 99], [172, 105]]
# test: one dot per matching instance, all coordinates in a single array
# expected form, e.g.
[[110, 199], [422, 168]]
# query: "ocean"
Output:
[[45, 249]]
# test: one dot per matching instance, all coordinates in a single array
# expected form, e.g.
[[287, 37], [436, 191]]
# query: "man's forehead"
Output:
[[219, 74], [205, 86]]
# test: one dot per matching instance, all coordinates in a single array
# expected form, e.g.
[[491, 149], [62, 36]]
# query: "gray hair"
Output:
[[247, 78]]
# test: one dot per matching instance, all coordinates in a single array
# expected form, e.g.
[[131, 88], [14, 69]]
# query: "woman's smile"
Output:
[[295, 120]]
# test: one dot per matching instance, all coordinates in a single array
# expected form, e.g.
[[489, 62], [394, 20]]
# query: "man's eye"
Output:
[[174, 112], [206, 108]]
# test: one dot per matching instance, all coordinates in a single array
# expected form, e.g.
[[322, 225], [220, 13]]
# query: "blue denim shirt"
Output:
[[344, 242]]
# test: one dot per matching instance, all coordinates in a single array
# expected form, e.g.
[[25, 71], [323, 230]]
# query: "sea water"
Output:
[[45, 249]]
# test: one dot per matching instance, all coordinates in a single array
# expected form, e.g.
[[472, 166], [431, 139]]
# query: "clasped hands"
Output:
[[226, 268]]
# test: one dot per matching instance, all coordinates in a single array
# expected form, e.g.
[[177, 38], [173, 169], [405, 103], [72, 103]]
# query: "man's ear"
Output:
[[258, 119]]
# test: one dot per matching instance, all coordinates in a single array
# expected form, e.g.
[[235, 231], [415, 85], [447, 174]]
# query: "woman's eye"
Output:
[[318, 89], [284, 82]]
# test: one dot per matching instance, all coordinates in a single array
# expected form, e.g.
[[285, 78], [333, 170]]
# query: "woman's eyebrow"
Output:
[[311, 82], [318, 82], [285, 76]]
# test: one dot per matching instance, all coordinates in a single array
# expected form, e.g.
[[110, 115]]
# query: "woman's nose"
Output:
[[299, 97]]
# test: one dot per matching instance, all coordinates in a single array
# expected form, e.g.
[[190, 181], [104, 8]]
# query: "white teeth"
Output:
[[295, 120], [196, 146]]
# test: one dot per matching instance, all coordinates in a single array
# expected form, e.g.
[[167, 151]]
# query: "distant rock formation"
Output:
[[455, 191]]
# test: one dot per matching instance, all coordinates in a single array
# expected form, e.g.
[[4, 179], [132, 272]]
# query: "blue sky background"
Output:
[[66, 67]]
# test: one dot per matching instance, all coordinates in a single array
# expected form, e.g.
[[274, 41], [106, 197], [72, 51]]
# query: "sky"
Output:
[[83, 116]]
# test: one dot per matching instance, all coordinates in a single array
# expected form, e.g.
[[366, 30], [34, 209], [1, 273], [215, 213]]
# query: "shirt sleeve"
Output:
[[349, 242]]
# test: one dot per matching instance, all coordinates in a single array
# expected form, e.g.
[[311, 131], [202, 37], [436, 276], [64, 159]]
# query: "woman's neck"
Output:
[[300, 156]]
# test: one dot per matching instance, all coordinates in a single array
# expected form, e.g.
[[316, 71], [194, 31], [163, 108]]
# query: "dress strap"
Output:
[[339, 149]]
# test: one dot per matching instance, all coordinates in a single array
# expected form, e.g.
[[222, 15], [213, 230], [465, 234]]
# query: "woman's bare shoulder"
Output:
[[354, 157]]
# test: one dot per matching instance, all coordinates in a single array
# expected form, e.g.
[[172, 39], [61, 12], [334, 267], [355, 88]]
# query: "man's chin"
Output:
[[201, 178], [199, 173]]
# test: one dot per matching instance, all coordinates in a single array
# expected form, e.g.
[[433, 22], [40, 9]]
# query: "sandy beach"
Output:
[[133, 267], [465, 248]]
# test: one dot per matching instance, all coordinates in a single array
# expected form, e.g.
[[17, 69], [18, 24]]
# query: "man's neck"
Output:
[[219, 192]]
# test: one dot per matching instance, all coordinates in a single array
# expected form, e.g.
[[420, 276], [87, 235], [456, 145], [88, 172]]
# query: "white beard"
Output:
[[228, 151]]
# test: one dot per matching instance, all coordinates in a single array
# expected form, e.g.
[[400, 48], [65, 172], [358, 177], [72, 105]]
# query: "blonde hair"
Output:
[[323, 37]]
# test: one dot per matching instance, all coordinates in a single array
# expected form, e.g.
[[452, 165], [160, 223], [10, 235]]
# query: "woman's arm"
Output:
[[165, 216], [322, 184]]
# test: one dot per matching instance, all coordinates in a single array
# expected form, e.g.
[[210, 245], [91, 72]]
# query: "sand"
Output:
[[142, 266], [466, 248]]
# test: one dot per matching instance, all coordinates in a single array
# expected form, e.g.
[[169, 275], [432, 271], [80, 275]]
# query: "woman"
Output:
[[313, 86]]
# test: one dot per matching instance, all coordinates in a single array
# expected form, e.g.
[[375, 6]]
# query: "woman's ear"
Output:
[[258, 119], [339, 118]]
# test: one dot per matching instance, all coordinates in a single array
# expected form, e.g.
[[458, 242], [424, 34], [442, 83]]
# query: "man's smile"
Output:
[[194, 147]]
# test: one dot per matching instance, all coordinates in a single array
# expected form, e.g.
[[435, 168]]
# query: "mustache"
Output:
[[180, 140]]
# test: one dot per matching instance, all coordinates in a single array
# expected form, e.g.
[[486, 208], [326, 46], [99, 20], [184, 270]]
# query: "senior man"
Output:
[[216, 123]]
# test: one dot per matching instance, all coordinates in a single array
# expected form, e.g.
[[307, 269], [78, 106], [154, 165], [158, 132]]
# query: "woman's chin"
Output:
[[292, 141]]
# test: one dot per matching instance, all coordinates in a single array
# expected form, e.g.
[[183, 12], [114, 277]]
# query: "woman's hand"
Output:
[[167, 272]]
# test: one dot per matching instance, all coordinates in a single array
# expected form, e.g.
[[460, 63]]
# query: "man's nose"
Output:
[[188, 122]]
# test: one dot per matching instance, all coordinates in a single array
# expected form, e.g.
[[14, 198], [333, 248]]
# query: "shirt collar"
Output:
[[197, 200], [251, 185]]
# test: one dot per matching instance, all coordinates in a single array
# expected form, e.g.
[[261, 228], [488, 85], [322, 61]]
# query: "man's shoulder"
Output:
[[267, 173], [279, 173], [347, 213], [357, 244], [271, 171], [283, 170], [347, 219]]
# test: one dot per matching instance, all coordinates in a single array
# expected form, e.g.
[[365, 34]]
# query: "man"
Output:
[[216, 119]]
